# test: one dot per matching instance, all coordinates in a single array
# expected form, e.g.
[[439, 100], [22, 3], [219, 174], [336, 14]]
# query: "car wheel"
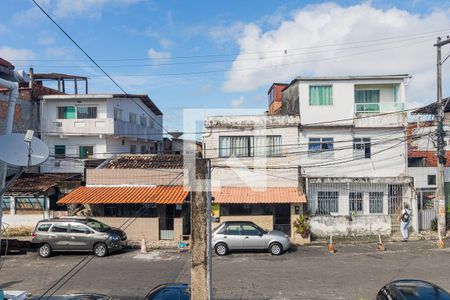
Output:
[[221, 249], [275, 249], [100, 250], [45, 250]]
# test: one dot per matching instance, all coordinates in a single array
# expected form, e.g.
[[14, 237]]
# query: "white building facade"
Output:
[[97, 126]]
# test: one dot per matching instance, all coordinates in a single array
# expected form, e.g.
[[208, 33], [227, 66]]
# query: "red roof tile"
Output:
[[126, 195], [230, 195]]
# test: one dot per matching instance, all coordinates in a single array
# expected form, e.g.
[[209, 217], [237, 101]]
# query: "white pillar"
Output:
[[46, 207], [414, 210], [12, 206]]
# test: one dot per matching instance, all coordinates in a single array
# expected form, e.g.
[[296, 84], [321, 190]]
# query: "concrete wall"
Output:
[[359, 226], [28, 220], [140, 228], [177, 229], [265, 222]]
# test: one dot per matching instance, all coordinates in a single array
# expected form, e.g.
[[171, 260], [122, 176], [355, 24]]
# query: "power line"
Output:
[[97, 65]]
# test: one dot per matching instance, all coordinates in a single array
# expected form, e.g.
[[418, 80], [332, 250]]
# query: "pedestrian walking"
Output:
[[405, 218]]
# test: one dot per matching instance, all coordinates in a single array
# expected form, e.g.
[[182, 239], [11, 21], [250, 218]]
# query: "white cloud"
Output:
[[310, 31], [158, 55], [237, 103], [165, 43], [225, 33], [46, 39], [11, 54]]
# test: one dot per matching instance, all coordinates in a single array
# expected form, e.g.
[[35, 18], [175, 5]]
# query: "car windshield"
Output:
[[97, 225]]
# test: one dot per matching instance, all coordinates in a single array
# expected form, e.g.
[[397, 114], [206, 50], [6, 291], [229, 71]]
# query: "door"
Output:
[[253, 237], [395, 198], [426, 207], [282, 218], [233, 237], [80, 237], [58, 237]]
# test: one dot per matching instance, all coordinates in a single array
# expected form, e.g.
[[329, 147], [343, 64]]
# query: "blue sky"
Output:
[[217, 54]]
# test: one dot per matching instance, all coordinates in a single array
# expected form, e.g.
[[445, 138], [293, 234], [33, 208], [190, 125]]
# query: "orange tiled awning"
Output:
[[246, 195], [126, 195]]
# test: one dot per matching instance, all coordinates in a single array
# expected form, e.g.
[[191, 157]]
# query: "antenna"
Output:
[[23, 151]]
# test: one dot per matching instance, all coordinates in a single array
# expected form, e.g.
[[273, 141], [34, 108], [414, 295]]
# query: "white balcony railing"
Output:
[[379, 107], [78, 127]]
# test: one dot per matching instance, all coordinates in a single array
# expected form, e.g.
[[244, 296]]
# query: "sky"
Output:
[[226, 54]]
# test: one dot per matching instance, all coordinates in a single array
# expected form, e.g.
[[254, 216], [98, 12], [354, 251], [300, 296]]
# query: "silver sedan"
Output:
[[243, 235]]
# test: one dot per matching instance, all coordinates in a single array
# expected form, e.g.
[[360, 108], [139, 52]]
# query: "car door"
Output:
[[58, 237], [233, 237], [253, 237], [80, 237]]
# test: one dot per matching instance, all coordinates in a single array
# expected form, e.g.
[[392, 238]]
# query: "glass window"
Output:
[[143, 121], [152, 124], [239, 146], [60, 151], [66, 112], [133, 149], [133, 117], [60, 228], [97, 225], [44, 227], [29, 203], [144, 149], [78, 228], [86, 151], [248, 229], [233, 229], [376, 202], [431, 179], [367, 100], [320, 95], [86, 112], [321, 148], [327, 202], [267, 145], [356, 201], [361, 148], [117, 114]]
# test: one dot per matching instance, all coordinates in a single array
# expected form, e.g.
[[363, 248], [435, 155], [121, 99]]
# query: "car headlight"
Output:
[[114, 237]]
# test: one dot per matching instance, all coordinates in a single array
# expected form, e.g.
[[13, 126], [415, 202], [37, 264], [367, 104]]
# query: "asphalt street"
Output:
[[354, 272]]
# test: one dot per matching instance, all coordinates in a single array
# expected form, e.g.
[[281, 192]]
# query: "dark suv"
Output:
[[77, 234]]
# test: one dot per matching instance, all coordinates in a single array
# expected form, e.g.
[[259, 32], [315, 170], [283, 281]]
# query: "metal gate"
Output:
[[426, 207], [395, 199], [282, 218]]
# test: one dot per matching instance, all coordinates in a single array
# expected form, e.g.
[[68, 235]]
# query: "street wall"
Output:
[[323, 226]]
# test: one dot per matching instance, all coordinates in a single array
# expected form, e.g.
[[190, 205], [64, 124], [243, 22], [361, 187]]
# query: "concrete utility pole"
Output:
[[200, 232], [440, 133]]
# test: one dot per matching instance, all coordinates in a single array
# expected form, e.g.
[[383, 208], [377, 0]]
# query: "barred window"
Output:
[[133, 118], [321, 148], [356, 201], [143, 121], [267, 145], [327, 202], [117, 114], [239, 146], [376, 202], [86, 112], [361, 148]]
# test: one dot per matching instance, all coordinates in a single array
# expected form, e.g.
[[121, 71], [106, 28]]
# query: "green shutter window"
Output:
[[320, 95], [367, 100], [60, 151], [69, 112], [86, 151]]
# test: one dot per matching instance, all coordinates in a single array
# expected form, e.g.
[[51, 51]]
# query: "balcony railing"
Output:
[[78, 126], [380, 107]]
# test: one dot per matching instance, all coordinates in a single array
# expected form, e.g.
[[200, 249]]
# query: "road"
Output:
[[354, 272]]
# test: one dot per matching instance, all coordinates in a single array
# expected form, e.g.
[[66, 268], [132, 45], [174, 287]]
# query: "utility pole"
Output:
[[440, 133], [200, 232]]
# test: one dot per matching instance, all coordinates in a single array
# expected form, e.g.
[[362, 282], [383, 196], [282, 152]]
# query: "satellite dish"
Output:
[[14, 150]]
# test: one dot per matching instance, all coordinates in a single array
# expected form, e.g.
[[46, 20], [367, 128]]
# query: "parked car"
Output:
[[170, 291], [231, 236], [406, 289], [77, 234], [77, 296]]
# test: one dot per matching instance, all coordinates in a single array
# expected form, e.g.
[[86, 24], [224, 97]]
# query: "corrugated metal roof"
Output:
[[145, 161], [126, 195], [235, 195]]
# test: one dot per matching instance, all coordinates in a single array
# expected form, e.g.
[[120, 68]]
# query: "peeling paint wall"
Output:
[[342, 226]]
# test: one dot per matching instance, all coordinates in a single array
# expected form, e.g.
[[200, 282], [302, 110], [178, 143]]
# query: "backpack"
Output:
[[405, 217]]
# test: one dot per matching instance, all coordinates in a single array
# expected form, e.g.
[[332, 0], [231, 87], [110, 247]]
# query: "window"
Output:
[[367, 100], [29, 203], [431, 179], [144, 149], [327, 202], [233, 229], [267, 145], [361, 148], [66, 112], [356, 201], [86, 151], [248, 229], [133, 117], [320, 95], [376, 202], [44, 227], [60, 228], [320, 148], [152, 124], [78, 228], [239, 146], [246, 209], [117, 114], [133, 149], [86, 112], [60, 151], [144, 121]]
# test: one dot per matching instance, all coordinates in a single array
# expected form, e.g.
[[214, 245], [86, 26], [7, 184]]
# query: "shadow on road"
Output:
[[9, 283]]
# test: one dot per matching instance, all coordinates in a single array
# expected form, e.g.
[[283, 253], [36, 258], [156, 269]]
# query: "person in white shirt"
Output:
[[405, 219]]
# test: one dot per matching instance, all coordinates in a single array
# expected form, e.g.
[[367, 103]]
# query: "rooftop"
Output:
[[430, 109], [56, 76], [247, 195], [38, 183], [252, 121], [6, 64], [144, 98], [355, 77], [145, 161]]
